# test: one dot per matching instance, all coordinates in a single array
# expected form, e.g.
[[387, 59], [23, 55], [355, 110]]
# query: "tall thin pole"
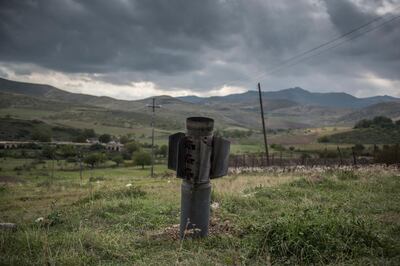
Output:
[[263, 124], [153, 107]]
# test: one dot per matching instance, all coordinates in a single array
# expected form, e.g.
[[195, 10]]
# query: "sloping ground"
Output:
[[389, 109], [368, 136], [18, 129], [312, 115]]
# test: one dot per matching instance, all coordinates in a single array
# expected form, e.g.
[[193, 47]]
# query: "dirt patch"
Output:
[[216, 227], [10, 179]]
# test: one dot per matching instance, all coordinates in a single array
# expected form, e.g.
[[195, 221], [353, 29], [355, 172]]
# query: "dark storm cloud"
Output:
[[196, 44], [103, 36], [378, 50]]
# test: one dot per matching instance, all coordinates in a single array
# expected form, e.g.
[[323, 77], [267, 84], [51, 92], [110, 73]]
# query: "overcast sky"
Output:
[[135, 49]]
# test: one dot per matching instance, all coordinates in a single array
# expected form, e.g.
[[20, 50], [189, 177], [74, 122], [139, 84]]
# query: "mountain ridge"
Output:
[[300, 109], [300, 96]]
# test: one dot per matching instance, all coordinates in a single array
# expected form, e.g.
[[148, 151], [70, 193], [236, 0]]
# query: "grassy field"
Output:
[[120, 216]]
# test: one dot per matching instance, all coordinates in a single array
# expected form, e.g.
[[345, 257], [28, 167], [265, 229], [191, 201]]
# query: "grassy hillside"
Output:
[[18, 129], [298, 96], [345, 217], [292, 108], [389, 109], [367, 136]]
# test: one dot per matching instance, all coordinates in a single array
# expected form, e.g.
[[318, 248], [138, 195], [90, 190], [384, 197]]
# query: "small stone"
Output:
[[8, 226]]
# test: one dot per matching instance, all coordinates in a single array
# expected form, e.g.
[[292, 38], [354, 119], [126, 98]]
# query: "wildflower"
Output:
[[39, 220], [128, 185]]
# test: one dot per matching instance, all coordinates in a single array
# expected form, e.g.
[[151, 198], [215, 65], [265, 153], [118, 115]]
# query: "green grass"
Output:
[[337, 217]]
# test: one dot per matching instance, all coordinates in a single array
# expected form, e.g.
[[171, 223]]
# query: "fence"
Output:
[[260, 160]]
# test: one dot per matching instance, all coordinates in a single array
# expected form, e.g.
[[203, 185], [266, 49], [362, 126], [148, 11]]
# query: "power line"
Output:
[[329, 48], [344, 37]]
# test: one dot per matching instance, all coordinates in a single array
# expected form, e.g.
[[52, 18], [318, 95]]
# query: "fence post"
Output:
[[354, 156]]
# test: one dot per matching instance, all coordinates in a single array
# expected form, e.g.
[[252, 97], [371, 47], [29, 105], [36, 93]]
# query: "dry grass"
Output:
[[235, 184]]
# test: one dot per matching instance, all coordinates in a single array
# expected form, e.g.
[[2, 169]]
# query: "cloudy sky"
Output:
[[132, 49]]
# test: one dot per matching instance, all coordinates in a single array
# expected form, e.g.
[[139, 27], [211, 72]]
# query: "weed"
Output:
[[316, 236], [347, 175]]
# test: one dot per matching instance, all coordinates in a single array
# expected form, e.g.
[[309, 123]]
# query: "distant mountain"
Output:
[[299, 96], [290, 108]]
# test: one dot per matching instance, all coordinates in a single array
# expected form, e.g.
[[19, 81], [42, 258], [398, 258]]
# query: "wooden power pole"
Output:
[[153, 107], [263, 123]]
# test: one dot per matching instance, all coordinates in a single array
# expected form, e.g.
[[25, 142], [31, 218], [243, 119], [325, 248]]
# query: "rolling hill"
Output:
[[299, 96], [290, 108], [389, 109]]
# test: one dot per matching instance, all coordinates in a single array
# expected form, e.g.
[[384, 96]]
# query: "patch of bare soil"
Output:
[[9, 179], [216, 227]]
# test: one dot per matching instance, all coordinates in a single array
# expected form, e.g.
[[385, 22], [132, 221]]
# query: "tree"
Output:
[[364, 123], [142, 158], [67, 151], [117, 159], [382, 121], [84, 135], [163, 150], [94, 159], [49, 152], [105, 138], [132, 147], [42, 134]]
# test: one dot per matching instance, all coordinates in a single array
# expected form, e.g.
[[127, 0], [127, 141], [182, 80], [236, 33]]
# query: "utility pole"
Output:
[[153, 106], [263, 124]]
